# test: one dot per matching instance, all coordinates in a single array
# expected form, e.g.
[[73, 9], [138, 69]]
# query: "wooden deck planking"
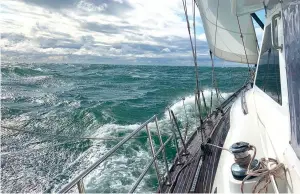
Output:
[[215, 128]]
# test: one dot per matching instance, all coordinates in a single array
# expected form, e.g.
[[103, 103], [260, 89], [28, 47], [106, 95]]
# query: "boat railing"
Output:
[[164, 179], [175, 135]]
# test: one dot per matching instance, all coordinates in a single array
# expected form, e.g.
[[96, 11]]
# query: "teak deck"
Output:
[[196, 174]]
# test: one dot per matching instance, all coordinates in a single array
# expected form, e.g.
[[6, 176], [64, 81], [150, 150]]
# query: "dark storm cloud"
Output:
[[107, 28]]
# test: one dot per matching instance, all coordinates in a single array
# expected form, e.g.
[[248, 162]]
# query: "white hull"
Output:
[[267, 126]]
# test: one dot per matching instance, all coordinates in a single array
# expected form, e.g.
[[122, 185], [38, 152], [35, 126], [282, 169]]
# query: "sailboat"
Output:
[[250, 142]]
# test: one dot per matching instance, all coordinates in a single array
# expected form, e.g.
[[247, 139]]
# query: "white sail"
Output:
[[241, 7], [222, 29]]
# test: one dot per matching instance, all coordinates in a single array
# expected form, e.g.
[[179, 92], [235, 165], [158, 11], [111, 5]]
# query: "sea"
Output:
[[58, 119]]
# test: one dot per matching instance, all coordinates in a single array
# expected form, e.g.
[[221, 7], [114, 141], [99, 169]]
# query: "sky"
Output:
[[99, 31]]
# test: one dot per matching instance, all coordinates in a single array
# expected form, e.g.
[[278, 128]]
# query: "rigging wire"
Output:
[[214, 83], [212, 62], [194, 51], [187, 121], [192, 45], [195, 43], [251, 73], [195, 57]]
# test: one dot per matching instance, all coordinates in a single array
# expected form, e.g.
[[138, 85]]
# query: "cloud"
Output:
[[202, 37], [13, 38], [98, 31], [166, 50], [108, 28], [115, 7], [53, 4]]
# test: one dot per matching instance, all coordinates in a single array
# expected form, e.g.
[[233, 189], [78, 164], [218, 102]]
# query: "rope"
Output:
[[219, 147], [265, 173], [269, 167]]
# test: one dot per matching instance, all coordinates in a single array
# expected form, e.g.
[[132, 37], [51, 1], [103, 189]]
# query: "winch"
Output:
[[242, 158]]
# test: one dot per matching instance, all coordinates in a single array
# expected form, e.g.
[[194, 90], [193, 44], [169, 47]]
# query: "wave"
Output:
[[7, 95], [20, 71], [35, 79], [95, 101], [140, 75], [119, 172], [190, 100]]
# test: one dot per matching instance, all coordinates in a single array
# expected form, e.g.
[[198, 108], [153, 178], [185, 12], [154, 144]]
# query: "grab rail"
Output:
[[244, 103]]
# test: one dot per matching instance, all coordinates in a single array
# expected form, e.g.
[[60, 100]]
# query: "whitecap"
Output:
[[7, 95], [35, 79]]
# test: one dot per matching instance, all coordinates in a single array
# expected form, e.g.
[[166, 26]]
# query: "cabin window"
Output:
[[291, 24], [268, 73]]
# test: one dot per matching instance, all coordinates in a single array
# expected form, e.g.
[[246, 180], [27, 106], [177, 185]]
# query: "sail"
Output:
[[241, 7], [223, 32]]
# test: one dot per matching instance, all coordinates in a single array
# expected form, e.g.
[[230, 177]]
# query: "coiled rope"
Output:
[[268, 167]]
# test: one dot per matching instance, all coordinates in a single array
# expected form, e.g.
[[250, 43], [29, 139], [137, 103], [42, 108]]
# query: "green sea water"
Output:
[[57, 103]]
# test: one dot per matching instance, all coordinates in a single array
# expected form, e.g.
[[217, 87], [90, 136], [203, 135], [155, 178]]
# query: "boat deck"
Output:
[[198, 168]]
